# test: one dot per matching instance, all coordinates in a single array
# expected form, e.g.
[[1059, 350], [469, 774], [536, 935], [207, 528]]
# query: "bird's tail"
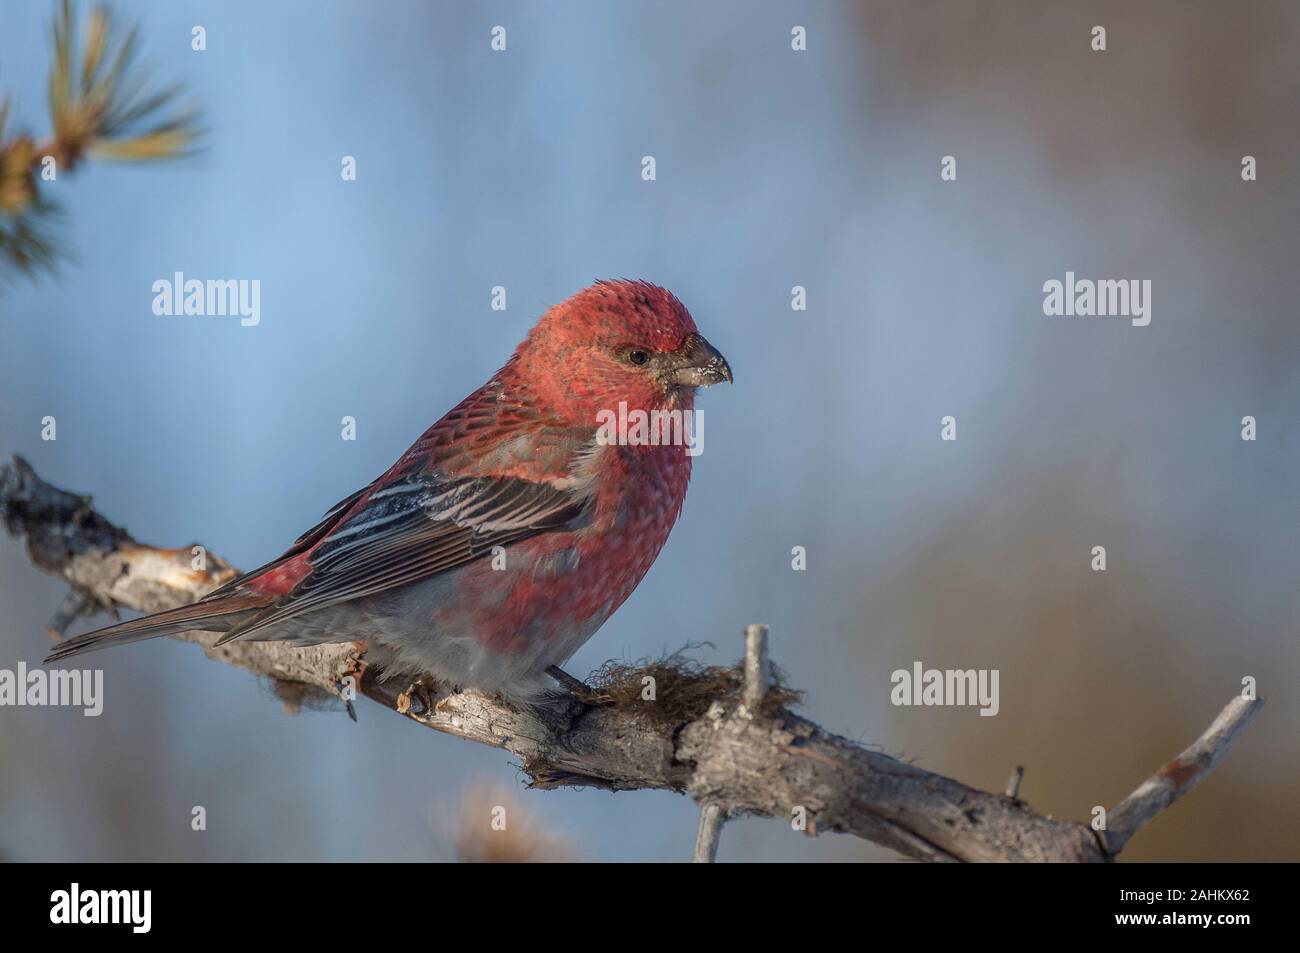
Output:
[[218, 615]]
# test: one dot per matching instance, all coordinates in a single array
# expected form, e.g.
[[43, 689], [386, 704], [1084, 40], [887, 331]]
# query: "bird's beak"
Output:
[[698, 364]]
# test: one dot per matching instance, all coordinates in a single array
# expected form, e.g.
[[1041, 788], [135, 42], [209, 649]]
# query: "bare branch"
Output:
[[1180, 775], [74, 604], [712, 817], [758, 670], [1013, 782], [758, 678], [740, 752]]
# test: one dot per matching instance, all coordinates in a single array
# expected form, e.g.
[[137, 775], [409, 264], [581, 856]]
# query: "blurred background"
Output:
[[774, 169]]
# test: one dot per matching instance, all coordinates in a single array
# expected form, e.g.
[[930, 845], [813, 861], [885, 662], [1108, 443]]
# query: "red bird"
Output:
[[510, 531]]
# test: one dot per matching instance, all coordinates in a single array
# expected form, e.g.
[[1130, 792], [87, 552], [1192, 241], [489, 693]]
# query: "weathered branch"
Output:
[[757, 680], [724, 738], [712, 817], [1182, 774]]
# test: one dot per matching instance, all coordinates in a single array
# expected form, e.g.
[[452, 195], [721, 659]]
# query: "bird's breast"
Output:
[[550, 585]]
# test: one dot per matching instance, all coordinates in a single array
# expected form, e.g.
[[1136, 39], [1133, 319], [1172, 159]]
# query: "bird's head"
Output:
[[627, 341]]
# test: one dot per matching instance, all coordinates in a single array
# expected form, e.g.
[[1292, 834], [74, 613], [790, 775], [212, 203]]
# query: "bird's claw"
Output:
[[417, 699], [575, 687]]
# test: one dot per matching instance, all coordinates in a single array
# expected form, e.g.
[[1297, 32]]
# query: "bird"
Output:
[[512, 528]]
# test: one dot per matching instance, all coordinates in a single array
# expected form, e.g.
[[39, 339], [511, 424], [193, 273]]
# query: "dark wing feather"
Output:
[[418, 526], [300, 545]]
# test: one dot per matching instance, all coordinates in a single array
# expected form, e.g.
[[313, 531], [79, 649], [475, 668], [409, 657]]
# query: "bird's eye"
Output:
[[637, 356]]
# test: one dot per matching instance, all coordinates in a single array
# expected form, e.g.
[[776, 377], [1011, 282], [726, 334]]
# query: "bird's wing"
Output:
[[300, 545], [416, 526], [491, 472]]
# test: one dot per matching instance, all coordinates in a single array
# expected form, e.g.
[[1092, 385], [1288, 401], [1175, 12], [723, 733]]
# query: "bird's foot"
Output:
[[418, 697], [575, 687]]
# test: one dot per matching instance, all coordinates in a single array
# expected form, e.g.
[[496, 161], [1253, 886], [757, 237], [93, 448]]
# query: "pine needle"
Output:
[[100, 105]]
